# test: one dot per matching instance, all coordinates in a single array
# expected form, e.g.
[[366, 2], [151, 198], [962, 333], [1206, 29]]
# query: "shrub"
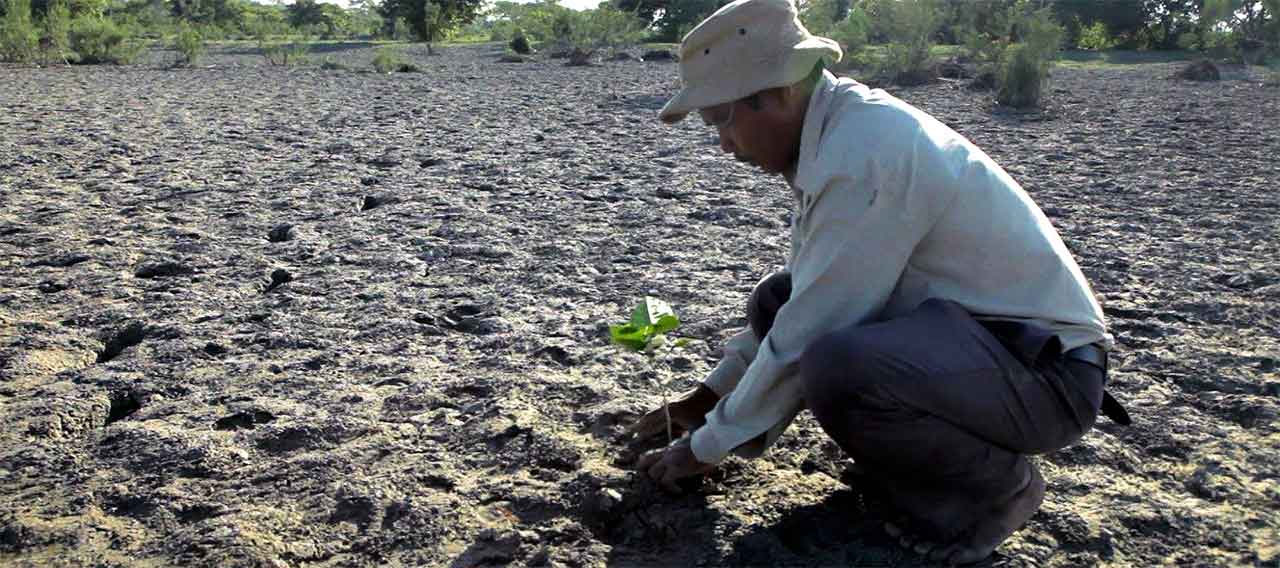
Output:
[[97, 41], [520, 44], [851, 33], [907, 58], [1024, 67], [283, 54], [387, 59], [1095, 38], [189, 44], [1020, 77], [57, 28], [603, 27], [18, 36]]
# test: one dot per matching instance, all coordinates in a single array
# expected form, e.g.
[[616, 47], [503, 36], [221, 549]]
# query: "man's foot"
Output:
[[981, 539]]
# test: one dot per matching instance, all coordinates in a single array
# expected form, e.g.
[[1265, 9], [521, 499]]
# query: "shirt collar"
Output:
[[815, 121]]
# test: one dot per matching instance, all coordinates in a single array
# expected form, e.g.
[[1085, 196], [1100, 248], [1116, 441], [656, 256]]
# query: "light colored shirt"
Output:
[[892, 208]]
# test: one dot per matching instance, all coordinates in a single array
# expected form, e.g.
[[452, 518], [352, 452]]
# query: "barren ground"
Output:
[[429, 380]]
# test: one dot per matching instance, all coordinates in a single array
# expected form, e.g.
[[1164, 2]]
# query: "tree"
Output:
[[671, 19], [217, 12], [430, 20]]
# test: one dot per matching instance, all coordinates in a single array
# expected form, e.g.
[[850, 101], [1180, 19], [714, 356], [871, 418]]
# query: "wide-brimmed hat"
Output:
[[744, 48]]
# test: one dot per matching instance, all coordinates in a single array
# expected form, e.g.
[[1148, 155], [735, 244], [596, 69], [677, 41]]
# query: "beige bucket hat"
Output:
[[744, 48]]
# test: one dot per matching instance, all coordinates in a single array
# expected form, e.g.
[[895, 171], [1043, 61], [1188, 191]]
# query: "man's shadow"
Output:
[[841, 530]]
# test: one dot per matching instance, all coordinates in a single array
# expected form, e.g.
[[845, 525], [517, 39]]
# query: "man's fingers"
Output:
[[646, 426], [646, 461], [658, 469]]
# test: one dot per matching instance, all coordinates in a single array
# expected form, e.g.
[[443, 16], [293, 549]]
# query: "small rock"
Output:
[[279, 277], [214, 349], [163, 269], [370, 202], [1203, 70], [659, 55], [369, 180], [608, 499], [281, 233], [51, 286], [63, 260]]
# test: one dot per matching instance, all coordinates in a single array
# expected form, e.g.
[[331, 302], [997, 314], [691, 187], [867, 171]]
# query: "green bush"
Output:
[[97, 41], [1024, 68], [189, 44], [57, 29], [1095, 38], [520, 44], [387, 59], [851, 33], [907, 58], [18, 36], [1021, 78], [284, 54]]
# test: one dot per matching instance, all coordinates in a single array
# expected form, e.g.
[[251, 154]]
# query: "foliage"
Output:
[[430, 20], [18, 35], [189, 44], [520, 44], [283, 54], [1024, 68], [1021, 81], [97, 41], [57, 30], [819, 16], [910, 27], [215, 12], [669, 19], [1094, 37], [851, 32], [603, 27], [649, 321], [387, 59]]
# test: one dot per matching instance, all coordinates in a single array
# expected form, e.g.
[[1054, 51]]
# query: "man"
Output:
[[930, 317]]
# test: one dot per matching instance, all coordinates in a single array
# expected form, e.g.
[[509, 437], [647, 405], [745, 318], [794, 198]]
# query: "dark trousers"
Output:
[[938, 407]]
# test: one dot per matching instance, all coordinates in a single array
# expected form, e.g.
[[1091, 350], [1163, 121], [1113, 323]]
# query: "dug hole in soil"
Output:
[[263, 316]]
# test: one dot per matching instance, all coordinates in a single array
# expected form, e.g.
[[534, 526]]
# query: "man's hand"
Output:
[[667, 465], [687, 414]]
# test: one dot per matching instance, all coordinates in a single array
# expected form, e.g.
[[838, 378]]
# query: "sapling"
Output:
[[646, 333]]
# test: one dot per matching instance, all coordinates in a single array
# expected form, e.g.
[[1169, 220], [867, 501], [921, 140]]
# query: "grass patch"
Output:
[[1122, 58]]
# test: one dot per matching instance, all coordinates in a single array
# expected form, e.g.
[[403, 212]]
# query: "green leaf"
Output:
[[651, 318]]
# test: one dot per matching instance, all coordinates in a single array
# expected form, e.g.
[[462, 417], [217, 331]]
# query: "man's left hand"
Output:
[[667, 465]]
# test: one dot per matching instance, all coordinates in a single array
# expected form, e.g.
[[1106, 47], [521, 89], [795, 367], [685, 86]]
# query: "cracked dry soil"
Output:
[[255, 316]]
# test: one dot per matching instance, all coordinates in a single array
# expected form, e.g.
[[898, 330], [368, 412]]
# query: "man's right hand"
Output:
[[687, 414]]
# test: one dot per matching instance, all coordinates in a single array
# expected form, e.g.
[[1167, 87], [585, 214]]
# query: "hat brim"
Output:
[[798, 62]]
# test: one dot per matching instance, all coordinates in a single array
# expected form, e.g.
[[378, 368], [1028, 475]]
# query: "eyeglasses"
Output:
[[718, 117]]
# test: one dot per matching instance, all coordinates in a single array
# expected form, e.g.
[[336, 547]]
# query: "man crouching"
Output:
[[929, 316]]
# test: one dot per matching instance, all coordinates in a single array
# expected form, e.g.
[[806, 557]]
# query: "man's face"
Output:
[[761, 130]]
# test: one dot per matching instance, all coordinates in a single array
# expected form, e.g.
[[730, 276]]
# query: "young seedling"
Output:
[[645, 333]]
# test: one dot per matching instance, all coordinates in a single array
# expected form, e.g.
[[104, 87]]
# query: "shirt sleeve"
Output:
[[739, 351], [858, 234]]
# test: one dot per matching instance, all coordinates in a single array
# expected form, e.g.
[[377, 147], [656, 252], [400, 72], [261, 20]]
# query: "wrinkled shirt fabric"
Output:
[[892, 208]]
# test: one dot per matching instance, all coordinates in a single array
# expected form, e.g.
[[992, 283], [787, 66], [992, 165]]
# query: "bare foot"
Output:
[[984, 536]]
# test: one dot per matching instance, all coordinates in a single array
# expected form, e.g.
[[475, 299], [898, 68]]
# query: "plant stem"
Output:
[[666, 409]]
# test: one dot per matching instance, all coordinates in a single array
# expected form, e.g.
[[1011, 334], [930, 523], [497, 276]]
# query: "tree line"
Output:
[[1085, 24]]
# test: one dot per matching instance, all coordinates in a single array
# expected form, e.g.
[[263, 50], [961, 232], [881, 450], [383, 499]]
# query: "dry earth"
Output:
[[257, 316]]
